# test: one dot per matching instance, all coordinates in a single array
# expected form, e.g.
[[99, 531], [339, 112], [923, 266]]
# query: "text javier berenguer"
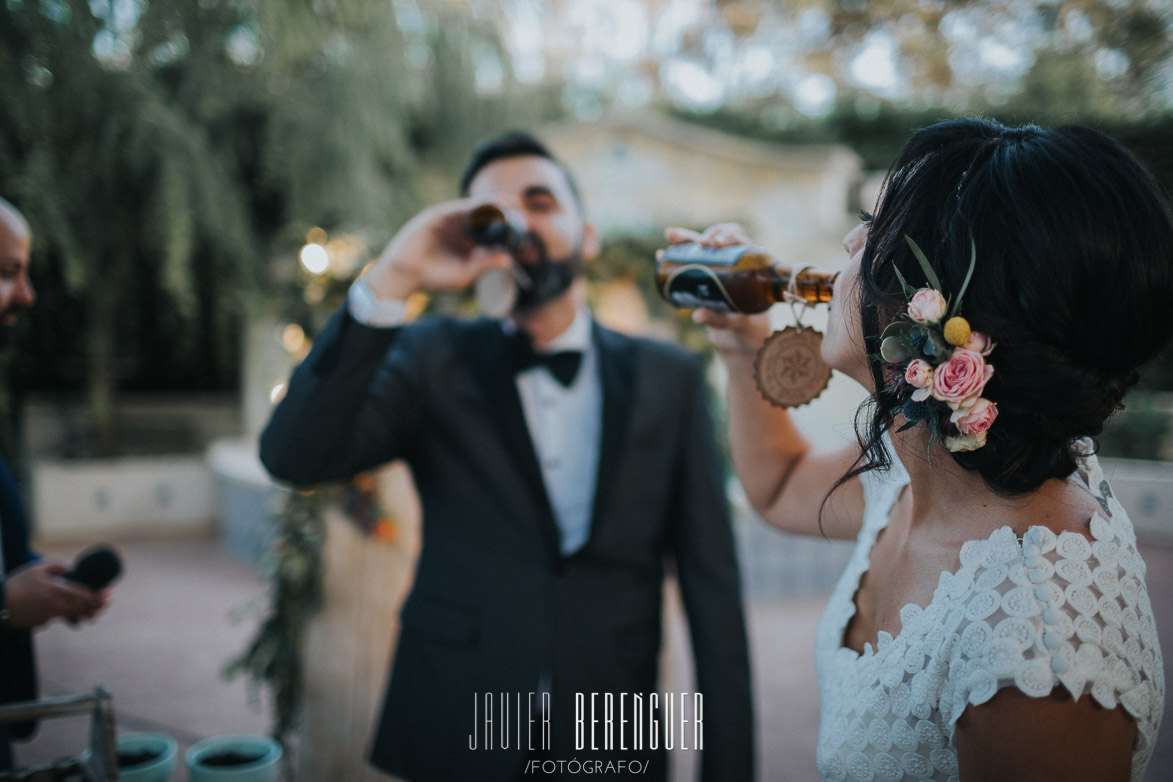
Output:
[[602, 721]]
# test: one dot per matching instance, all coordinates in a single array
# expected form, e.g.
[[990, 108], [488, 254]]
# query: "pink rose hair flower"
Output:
[[961, 378], [979, 343], [975, 418], [927, 306], [919, 375], [935, 365]]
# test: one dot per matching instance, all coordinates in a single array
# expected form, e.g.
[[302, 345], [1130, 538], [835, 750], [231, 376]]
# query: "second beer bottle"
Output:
[[735, 278]]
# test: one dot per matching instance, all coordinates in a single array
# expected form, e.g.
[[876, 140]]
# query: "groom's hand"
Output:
[[432, 252]]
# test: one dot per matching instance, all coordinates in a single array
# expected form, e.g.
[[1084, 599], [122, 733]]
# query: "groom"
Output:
[[562, 467]]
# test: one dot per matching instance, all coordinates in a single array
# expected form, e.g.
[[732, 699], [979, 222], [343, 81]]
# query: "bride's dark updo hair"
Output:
[[1073, 280]]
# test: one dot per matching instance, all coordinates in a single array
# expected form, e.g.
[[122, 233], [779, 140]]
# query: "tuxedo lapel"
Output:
[[616, 358], [491, 374]]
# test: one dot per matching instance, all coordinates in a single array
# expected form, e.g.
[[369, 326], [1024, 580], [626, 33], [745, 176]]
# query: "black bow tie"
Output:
[[563, 365]]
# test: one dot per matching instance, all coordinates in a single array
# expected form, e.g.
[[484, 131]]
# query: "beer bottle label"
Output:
[[697, 253], [693, 286]]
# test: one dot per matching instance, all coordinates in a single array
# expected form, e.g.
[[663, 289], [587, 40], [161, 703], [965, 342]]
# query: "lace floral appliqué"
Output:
[[1035, 613]]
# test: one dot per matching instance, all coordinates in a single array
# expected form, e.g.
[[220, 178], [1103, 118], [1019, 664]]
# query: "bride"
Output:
[[993, 622]]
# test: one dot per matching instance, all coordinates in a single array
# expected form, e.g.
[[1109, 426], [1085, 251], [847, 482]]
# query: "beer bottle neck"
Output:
[[806, 282]]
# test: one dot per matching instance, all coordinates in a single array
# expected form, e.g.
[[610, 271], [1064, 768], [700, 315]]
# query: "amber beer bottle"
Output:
[[490, 225], [735, 278]]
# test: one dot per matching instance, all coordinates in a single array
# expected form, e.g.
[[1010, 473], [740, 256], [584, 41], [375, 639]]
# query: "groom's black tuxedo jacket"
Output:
[[495, 605]]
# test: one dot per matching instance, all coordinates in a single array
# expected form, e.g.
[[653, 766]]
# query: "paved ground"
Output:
[[160, 647], [186, 607]]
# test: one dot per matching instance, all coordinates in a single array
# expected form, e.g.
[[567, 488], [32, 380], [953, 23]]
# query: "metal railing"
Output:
[[101, 763]]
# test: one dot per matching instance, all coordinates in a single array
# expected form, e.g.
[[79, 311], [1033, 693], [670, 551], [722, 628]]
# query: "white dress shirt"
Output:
[[565, 424]]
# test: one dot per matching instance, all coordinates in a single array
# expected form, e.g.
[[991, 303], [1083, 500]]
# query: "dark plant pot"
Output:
[[233, 759], [144, 757]]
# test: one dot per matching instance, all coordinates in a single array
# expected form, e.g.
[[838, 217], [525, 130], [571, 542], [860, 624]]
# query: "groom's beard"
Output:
[[549, 277]]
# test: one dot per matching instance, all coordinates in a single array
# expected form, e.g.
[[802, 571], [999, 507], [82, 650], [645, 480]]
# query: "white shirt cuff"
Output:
[[371, 311]]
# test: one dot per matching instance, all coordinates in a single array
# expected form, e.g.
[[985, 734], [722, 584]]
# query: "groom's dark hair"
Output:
[[515, 143]]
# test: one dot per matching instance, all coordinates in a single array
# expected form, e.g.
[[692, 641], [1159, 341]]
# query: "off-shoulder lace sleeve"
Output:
[[1055, 611], [1039, 613]]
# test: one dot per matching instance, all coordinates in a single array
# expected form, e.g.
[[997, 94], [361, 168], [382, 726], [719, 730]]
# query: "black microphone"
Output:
[[96, 567]]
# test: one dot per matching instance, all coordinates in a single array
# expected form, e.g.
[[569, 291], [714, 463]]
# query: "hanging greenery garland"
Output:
[[274, 658]]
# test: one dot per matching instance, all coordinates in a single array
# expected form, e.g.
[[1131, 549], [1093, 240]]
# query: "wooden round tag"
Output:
[[789, 369]]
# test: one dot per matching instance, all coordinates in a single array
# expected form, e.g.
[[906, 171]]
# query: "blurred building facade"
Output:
[[640, 172]]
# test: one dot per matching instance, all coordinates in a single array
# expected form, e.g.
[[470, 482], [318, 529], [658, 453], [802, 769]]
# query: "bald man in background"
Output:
[[32, 591]]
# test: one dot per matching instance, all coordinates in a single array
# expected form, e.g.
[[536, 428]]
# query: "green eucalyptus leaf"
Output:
[[968, 274], [925, 266], [942, 348], [909, 291], [900, 328], [930, 343], [893, 350], [917, 338]]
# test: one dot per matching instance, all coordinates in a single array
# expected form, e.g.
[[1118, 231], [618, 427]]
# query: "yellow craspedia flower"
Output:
[[957, 331]]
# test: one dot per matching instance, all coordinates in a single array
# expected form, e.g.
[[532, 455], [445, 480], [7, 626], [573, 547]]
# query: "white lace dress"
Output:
[[1035, 613]]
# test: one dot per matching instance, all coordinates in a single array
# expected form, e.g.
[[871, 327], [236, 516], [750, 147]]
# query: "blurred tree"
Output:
[[803, 59], [164, 150], [118, 185]]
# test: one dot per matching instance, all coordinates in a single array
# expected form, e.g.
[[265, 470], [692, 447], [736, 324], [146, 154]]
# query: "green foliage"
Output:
[[633, 257], [119, 187], [336, 143], [876, 135], [100, 185], [162, 158], [275, 656], [1139, 431]]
